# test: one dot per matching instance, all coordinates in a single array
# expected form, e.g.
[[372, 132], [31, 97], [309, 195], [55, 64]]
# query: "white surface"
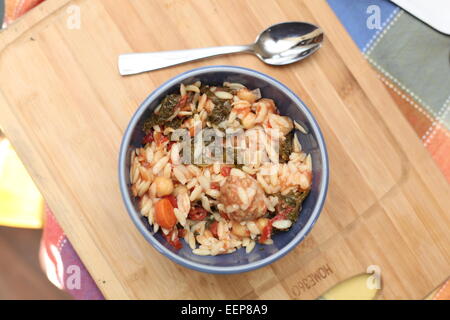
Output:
[[436, 13]]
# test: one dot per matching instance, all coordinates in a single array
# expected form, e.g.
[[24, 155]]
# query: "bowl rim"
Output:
[[136, 216]]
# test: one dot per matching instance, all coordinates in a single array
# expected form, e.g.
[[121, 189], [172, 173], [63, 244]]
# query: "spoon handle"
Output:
[[132, 63]]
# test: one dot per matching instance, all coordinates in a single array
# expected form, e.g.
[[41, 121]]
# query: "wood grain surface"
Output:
[[65, 107]]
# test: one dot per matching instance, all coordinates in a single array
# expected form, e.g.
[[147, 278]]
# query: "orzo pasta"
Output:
[[220, 168]]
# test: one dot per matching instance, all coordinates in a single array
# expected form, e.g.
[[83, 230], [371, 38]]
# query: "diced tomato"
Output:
[[213, 229], [191, 131], [172, 200], [181, 233], [175, 242], [197, 213], [157, 136], [162, 140], [215, 185], [266, 232], [282, 214], [164, 215], [169, 146], [148, 138], [183, 101], [224, 215], [146, 164], [225, 171]]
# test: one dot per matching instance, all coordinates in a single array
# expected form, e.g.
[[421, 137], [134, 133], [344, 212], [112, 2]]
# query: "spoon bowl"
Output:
[[279, 44], [288, 42]]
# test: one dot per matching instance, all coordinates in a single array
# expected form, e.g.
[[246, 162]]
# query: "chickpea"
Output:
[[262, 223], [239, 230], [247, 95], [249, 120], [164, 186]]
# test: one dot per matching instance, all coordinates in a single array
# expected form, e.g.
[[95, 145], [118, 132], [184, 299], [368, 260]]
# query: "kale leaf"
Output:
[[286, 147], [291, 203], [167, 109]]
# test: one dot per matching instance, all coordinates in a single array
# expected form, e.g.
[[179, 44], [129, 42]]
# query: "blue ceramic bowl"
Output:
[[288, 104]]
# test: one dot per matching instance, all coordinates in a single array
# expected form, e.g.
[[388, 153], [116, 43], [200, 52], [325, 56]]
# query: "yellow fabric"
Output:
[[354, 288], [21, 204]]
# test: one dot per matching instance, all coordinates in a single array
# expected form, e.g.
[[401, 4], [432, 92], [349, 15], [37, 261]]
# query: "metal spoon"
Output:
[[280, 44]]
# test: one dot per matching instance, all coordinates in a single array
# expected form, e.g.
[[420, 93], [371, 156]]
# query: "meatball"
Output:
[[242, 198]]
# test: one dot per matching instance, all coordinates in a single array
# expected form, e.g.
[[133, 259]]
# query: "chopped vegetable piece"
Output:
[[173, 240], [197, 213], [148, 138], [215, 185], [286, 147], [224, 215], [289, 205], [213, 229], [183, 101], [220, 112], [225, 171], [175, 123], [167, 109], [164, 215], [266, 233], [181, 233], [172, 200]]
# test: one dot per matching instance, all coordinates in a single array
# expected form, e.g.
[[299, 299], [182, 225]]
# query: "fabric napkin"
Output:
[[412, 60]]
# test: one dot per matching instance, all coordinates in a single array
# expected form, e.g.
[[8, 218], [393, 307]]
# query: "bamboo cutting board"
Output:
[[65, 108]]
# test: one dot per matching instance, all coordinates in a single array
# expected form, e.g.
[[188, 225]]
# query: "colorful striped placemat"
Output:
[[412, 60]]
